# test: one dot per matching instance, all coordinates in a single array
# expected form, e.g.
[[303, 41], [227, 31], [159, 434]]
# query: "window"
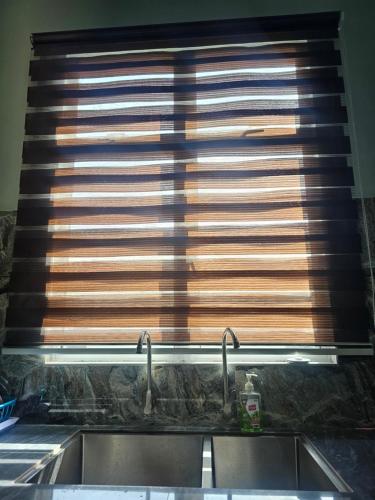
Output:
[[186, 178]]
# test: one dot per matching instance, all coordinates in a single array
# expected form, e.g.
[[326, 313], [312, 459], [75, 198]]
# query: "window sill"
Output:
[[193, 354]]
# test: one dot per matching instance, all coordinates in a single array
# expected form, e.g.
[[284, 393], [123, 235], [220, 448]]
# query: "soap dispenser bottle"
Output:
[[250, 404]]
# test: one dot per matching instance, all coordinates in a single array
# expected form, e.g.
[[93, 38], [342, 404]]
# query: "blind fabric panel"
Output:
[[186, 178]]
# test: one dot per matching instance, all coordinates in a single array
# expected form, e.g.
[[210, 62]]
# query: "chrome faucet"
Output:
[[226, 403], [141, 339]]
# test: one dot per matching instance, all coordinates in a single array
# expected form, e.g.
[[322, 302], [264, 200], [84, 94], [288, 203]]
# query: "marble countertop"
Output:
[[62, 492], [352, 453], [23, 446]]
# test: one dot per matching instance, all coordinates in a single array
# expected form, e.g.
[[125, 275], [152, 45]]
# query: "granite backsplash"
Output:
[[294, 396]]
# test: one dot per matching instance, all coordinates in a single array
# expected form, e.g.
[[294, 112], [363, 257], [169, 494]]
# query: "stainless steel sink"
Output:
[[263, 462], [271, 463], [129, 459]]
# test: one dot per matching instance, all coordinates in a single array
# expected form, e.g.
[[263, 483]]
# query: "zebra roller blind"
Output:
[[184, 178]]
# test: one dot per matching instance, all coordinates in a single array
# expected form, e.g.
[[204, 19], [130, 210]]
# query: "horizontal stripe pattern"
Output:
[[184, 179]]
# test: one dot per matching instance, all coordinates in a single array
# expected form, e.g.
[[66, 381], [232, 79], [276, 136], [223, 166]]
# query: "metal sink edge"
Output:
[[51, 461]]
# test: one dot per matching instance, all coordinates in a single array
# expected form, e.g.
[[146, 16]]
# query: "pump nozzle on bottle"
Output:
[[249, 386]]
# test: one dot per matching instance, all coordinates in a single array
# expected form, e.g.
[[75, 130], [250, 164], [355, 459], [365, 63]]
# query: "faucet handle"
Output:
[[230, 408], [148, 405], [227, 409]]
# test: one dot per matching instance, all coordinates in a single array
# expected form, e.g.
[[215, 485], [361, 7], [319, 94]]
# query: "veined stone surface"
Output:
[[294, 397], [7, 223]]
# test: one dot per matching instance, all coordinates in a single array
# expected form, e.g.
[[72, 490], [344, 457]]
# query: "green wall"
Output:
[[20, 18]]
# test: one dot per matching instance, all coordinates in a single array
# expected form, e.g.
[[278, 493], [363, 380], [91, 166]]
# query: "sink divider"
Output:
[[207, 465]]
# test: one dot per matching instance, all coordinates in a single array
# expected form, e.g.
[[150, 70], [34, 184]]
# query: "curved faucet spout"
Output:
[[145, 335], [235, 341], [141, 340], [236, 345]]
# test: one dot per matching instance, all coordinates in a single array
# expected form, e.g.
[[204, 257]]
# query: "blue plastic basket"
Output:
[[6, 409]]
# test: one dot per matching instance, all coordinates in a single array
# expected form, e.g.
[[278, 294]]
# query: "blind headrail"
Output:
[[316, 21]]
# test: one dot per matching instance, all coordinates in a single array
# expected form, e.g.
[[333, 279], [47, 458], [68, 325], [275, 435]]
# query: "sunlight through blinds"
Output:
[[184, 178]]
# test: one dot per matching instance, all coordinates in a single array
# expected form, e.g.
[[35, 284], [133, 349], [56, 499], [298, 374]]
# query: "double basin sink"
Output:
[[264, 462]]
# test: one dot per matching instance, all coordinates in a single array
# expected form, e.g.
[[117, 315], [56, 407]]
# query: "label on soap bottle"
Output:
[[252, 409]]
